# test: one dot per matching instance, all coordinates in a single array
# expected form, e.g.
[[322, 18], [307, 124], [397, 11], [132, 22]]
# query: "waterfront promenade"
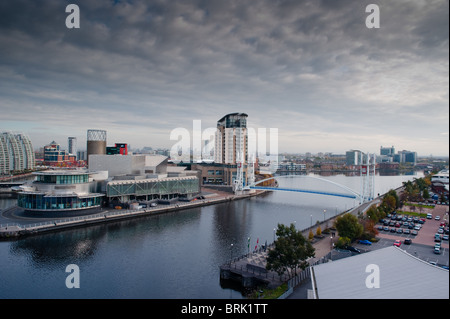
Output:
[[250, 269], [13, 224]]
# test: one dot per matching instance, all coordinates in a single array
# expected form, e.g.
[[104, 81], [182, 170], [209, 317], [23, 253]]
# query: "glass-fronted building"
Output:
[[153, 188], [61, 190]]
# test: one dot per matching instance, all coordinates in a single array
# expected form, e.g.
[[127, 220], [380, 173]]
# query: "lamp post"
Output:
[[324, 211], [311, 220], [231, 253]]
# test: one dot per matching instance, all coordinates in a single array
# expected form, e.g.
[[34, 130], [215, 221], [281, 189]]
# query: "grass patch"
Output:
[[419, 205], [266, 293], [424, 215]]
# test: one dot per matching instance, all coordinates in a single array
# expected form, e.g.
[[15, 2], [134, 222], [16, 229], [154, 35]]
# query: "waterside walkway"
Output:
[[13, 229], [250, 269]]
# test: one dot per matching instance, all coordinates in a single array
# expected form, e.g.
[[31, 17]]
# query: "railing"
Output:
[[103, 215]]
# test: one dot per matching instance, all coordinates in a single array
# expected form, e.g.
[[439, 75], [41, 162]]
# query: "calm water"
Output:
[[170, 256]]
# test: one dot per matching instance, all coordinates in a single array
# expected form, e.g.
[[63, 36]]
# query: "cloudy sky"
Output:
[[312, 69]]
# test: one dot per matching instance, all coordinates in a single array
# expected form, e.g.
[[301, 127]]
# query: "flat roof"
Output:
[[150, 180], [63, 172], [401, 276]]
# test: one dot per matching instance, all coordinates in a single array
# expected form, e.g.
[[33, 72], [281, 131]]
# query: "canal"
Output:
[[172, 256]]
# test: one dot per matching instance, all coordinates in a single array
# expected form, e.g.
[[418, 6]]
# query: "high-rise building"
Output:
[[353, 157], [406, 157], [72, 143], [388, 151], [231, 141], [16, 153]]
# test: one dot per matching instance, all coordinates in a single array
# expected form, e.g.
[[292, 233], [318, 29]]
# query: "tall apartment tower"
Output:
[[231, 142], [16, 153], [72, 143], [96, 143]]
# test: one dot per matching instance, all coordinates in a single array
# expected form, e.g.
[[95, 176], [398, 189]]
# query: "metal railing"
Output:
[[105, 214]]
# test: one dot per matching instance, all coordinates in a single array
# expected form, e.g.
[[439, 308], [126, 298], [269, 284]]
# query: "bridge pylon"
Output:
[[367, 174]]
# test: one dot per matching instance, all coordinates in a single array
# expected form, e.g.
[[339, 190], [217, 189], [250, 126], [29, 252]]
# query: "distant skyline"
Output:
[[312, 69]]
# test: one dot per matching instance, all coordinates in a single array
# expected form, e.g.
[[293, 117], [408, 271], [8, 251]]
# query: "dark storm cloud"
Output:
[[160, 64]]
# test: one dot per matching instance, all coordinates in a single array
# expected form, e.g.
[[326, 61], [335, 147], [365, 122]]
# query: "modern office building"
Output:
[[56, 157], [353, 157], [388, 151], [62, 191], [119, 148], [406, 157], [16, 153]]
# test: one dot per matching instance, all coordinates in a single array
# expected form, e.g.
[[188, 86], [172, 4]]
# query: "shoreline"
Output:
[[16, 231]]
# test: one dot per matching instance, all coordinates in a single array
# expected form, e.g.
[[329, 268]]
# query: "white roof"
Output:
[[401, 276]]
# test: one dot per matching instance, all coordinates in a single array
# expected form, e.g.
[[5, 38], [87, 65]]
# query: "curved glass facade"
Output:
[[40, 201], [49, 195], [62, 178]]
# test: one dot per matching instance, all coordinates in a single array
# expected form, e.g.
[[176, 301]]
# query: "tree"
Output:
[[291, 250], [342, 242], [318, 231], [348, 226], [310, 235]]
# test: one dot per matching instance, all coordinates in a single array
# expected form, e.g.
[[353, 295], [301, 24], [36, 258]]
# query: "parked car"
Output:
[[407, 241], [397, 243], [445, 237], [437, 250], [353, 249], [414, 232], [407, 231], [386, 228], [365, 242], [399, 231], [392, 230], [437, 217], [429, 216]]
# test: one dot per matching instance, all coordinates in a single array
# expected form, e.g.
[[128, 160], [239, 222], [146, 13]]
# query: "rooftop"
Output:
[[402, 276]]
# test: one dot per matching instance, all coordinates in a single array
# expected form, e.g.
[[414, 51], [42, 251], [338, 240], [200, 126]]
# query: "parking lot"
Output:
[[422, 235]]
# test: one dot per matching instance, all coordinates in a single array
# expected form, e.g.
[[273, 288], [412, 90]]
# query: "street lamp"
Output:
[[324, 211], [231, 253]]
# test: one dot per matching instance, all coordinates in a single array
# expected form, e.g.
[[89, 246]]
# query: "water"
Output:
[[171, 256]]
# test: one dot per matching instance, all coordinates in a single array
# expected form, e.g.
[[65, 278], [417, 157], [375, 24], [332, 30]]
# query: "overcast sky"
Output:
[[312, 69]]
